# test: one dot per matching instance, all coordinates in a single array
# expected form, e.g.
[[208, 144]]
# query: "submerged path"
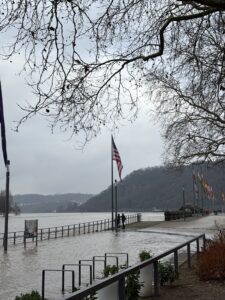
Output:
[[188, 285]]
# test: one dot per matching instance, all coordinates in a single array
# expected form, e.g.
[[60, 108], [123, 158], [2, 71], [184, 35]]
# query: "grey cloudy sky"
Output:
[[42, 162]]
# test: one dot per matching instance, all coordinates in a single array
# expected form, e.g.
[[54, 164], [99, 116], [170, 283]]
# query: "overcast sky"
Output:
[[46, 163]]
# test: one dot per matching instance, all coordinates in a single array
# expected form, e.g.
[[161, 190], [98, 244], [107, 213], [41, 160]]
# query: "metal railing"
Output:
[[89, 263], [17, 237], [120, 277]]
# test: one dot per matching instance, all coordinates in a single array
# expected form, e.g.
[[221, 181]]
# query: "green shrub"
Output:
[[167, 273], [91, 297], [144, 254], [34, 295], [133, 286], [110, 270]]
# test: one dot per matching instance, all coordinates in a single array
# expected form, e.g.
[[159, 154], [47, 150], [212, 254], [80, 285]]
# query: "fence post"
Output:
[[63, 278], [79, 228], [204, 241], [74, 229], [14, 238], [122, 289], [176, 262], [73, 280], [62, 231], [79, 279], [156, 278], [93, 229], [189, 255], [68, 230], [197, 245], [43, 285], [97, 226], [101, 225], [55, 232], [84, 228], [41, 234]]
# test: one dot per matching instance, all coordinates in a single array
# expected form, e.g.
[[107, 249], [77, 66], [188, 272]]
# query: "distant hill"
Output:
[[30, 203], [157, 188]]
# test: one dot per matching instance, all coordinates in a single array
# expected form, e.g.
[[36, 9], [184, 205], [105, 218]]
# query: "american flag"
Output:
[[116, 157]]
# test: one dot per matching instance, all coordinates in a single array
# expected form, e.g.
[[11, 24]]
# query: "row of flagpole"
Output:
[[203, 191]]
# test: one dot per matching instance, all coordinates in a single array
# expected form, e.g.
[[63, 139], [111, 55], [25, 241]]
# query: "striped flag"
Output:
[[2, 121], [116, 157], [222, 197]]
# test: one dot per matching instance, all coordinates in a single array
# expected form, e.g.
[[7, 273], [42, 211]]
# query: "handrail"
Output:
[[120, 277], [46, 233]]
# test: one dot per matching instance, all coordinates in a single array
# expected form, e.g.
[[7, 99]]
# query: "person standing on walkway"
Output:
[[123, 220], [118, 220]]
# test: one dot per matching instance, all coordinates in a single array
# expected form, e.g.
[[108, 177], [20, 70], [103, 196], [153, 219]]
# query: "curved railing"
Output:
[[120, 277]]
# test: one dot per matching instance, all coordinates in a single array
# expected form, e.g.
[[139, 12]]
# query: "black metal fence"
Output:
[[120, 277], [85, 263], [17, 237]]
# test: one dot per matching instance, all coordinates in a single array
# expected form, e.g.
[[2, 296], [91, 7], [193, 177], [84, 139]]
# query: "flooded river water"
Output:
[[21, 269]]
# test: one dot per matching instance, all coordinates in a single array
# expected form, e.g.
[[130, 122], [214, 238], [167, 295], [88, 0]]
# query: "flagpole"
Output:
[[202, 192], [112, 182], [6, 208], [193, 186]]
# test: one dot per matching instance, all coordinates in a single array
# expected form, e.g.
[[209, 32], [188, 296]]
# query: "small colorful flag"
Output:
[[116, 157], [223, 197]]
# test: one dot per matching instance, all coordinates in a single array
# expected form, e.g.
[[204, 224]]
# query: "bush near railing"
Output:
[[34, 295], [211, 261]]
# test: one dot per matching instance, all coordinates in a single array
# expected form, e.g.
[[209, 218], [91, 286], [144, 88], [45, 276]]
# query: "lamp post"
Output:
[[183, 202], [5, 241], [116, 225]]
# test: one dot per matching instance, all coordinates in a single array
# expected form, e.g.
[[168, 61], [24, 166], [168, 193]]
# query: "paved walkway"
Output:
[[207, 224], [188, 285]]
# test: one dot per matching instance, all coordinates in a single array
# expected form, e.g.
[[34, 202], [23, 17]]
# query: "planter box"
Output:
[[146, 276], [111, 292]]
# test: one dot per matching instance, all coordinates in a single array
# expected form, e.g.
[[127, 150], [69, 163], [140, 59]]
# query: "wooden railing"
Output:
[[17, 237]]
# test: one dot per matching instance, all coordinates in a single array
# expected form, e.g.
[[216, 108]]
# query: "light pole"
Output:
[[183, 202], [116, 225], [5, 242]]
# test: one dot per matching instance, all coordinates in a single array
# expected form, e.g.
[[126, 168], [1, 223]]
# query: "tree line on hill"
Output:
[[160, 188], [153, 188]]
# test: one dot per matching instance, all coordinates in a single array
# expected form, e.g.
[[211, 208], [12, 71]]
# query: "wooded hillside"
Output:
[[159, 188]]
